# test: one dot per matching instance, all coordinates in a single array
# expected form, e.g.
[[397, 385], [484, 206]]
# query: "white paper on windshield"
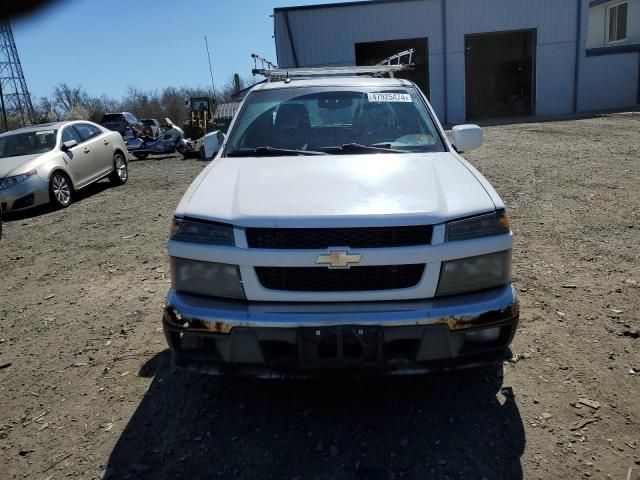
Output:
[[44, 132], [389, 97]]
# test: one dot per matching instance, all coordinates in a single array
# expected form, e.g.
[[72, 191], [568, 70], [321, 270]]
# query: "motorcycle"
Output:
[[172, 140]]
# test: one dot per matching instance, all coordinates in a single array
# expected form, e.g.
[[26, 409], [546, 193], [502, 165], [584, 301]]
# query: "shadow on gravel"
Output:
[[155, 157], [80, 195], [460, 425]]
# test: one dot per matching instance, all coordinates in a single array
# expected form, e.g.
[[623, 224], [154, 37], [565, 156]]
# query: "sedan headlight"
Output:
[[206, 278], [495, 223], [9, 182], [475, 273], [197, 231]]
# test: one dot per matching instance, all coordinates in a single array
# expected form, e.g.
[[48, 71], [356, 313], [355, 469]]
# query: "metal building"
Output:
[[478, 59]]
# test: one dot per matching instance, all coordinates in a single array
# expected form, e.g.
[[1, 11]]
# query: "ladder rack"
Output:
[[388, 66], [398, 58]]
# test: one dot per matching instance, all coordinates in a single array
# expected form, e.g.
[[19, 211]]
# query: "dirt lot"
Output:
[[86, 389]]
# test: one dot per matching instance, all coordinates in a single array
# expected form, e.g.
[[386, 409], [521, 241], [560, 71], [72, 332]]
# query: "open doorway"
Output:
[[500, 74], [370, 53]]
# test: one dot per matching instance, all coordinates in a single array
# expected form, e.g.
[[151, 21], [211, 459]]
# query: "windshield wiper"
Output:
[[270, 151], [359, 148]]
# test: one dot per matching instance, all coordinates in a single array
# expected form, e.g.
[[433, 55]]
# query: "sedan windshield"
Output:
[[27, 143], [331, 120]]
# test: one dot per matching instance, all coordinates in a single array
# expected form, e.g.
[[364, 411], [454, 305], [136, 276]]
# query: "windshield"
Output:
[[112, 117], [148, 123], [27, 143], [329, 119]]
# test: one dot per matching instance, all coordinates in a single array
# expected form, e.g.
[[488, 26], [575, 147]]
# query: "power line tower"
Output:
[[15, 101]]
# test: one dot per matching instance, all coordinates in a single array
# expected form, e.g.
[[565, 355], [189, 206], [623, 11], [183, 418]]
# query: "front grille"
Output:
[[354, 279], [314, 238]]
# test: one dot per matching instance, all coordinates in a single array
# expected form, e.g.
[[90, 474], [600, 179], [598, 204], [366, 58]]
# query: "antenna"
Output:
[[213, 88], [15, 100]]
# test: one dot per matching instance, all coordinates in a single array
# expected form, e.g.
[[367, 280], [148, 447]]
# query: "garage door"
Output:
[[499, 74]]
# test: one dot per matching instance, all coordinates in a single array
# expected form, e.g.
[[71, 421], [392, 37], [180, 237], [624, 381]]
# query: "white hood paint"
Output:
[[14, 165], [337, 190]]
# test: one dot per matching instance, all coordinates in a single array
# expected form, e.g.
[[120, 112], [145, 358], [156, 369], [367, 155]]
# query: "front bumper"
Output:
[[31, 193], [298, 340]]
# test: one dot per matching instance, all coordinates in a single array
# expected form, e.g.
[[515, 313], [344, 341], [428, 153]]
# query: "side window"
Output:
[[617, 25], [131, 118], [69, 133], [87, 131]]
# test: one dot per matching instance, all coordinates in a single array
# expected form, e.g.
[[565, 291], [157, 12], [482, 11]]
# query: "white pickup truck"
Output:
[[338, 230]]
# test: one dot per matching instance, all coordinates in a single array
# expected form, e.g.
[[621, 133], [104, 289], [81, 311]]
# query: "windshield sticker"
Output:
[[424, 139], [45, 132], [389, 97]]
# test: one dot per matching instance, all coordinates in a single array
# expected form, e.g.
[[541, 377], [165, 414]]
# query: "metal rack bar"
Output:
[[398, 58], [388, 66], [375, 70]]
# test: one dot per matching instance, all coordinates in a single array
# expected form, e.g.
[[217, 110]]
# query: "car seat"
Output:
[[373, 123], [292, 128]]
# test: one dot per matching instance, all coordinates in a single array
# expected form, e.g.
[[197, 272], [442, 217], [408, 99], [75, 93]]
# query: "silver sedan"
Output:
[[51, 162]]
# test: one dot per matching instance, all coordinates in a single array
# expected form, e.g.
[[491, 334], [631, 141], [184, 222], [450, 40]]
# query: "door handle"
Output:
[[86, 150]]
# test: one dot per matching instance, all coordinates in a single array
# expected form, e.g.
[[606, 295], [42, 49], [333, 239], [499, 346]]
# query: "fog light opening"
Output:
[[483, 336]]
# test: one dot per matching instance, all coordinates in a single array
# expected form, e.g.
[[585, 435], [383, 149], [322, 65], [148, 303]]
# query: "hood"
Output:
[[19, 164], [336, 190]]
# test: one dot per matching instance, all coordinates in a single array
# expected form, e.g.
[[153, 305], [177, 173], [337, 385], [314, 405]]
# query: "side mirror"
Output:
[[467, 137], [68, 145]]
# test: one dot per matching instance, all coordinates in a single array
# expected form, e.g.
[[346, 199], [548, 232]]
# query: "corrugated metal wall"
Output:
[[326, 36]]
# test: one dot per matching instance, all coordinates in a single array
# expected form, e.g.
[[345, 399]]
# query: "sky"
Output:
[[107, 46]]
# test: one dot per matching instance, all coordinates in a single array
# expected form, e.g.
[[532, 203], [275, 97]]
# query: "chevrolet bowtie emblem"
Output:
[[339, 259]]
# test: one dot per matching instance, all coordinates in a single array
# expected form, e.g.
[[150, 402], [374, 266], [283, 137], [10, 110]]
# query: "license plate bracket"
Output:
[[340, 346]]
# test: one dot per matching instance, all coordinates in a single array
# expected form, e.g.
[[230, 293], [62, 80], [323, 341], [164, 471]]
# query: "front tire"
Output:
[[120, 173], [60, 190]]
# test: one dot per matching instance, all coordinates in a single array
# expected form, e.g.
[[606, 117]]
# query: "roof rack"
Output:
[[263, 61], [388, 66], [398, 58]]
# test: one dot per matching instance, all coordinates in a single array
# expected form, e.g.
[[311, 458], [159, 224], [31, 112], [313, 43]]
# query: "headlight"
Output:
[[206, 278], [195, 231], [495, 223], [9, 182], [475, 273]]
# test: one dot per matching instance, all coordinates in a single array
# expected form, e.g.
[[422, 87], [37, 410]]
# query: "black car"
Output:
[[124, 122]]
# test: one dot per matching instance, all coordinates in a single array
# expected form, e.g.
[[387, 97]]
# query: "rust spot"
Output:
[[219, 327], [467, 321]]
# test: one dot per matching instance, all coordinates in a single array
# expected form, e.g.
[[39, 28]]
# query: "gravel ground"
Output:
[[86, 389]]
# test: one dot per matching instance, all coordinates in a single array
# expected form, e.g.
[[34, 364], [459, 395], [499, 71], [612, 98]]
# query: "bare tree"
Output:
[[45, 110], [75, 103], [66, 97]]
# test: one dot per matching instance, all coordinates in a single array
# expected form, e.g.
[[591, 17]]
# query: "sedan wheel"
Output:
[[60, 190], [120, 173]]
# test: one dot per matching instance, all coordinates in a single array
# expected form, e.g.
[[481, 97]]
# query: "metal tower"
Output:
[[15, 101]]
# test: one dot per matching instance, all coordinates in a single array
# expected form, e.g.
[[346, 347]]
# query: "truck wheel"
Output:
[[140, 156]]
